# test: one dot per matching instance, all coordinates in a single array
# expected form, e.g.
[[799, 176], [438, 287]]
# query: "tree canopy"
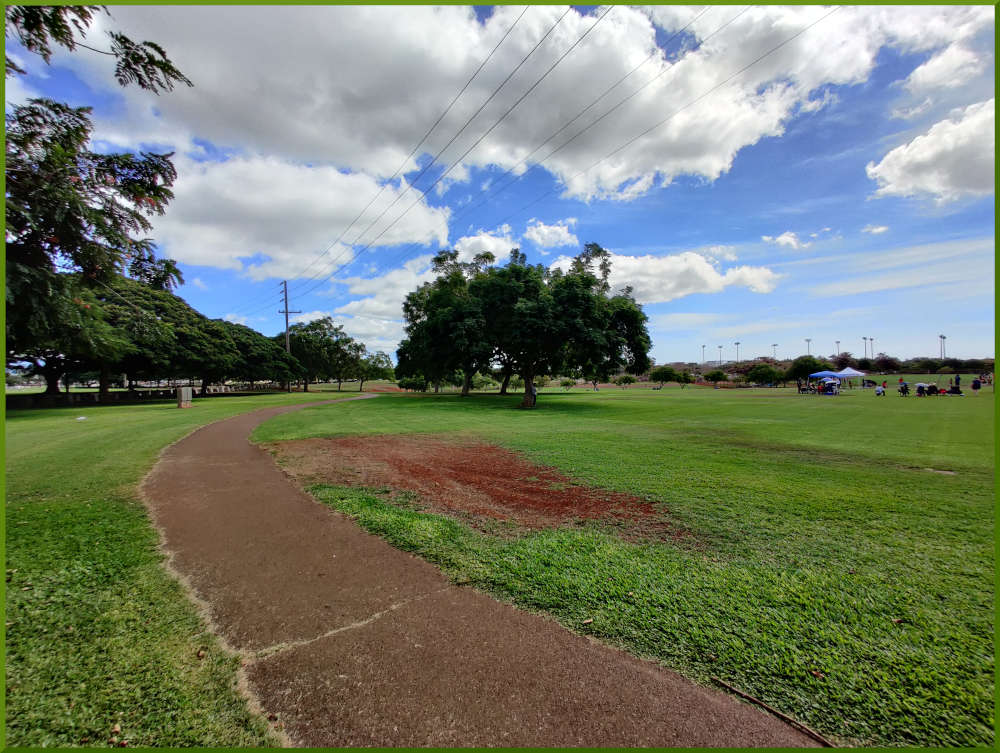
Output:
[[526, 319], [76, 219]]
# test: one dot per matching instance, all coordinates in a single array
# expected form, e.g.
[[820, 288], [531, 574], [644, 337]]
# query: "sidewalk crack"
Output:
[[269, 651]]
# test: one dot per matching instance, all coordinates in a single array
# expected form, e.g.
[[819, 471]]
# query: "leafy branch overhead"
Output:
[[37, 28]]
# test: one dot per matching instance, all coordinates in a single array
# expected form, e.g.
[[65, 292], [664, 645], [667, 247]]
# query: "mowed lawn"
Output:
[[835, 571], [97, 633]]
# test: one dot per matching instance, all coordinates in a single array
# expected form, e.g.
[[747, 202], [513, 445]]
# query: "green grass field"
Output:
[[831, 574], [97, 633]]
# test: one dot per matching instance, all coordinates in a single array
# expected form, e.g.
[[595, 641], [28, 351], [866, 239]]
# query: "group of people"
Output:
[[925, 390]]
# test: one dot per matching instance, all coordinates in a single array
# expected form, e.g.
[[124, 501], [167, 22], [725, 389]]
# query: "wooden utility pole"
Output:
[[286, 312]]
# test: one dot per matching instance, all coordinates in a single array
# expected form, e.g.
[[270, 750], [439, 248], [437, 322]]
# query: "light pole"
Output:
[[774, 346], [943, 338], [737, 351], [703, 354], [720, 356], [866, 346], [808, 340], [871, 341], [838, 346]]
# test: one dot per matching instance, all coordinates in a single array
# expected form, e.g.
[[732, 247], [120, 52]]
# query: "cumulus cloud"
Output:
[[226, 213], [789, 239], [199, 283], [302, 96], [875, 229], [658, 279], [551, 236], [497, 242], [955, 158], [236, 319], [949, 68]]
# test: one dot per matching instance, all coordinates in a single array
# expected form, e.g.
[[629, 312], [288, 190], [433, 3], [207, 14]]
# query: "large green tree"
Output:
[[444, 323], [75, 218], [526, 319]]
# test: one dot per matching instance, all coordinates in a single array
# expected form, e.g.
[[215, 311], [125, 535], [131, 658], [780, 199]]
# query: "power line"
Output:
[[403, 164], [575, 136], [678, 110], [477, 142], [415, 148], [440, 152], [504, 187]]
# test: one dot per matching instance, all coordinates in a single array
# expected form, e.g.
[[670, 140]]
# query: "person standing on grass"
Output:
[[976, 384], [534, 393]]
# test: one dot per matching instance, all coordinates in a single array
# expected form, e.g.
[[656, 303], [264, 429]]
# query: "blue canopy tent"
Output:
[[830, 382]]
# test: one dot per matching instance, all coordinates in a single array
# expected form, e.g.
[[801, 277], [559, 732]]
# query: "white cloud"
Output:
[[788, 238], [658, 279], [955, 158], [905, 113], [551, 236], [224, 213], [236, 319], [317, 104], [875, 229], [947, 262], [198, 283], [950, 68], [497, 242]]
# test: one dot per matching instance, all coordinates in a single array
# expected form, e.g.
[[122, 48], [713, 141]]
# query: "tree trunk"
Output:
[[66, 381], [51, 382], [437, 387], [528, 400], [361, 385], [305, 384], [104, 381], [504, 384], [467, 384], [339, 380]]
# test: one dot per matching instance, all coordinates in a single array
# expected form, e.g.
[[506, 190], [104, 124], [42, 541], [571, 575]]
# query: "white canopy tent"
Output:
[[847, 372]]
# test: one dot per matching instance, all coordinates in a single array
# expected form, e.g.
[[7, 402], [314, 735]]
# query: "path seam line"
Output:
[[269, 651]]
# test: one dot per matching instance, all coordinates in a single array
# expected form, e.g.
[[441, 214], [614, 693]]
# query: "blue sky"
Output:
[[840, 187]]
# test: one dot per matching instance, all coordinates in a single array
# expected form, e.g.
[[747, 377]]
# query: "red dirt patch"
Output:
[[476, 481]]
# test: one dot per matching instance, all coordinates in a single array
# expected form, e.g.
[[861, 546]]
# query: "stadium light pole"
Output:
[[871, 341], [737, 351], [808, 340], [866, 346], [720, 355], [703, 354], [943, 338], [774, 347], [838, 346]]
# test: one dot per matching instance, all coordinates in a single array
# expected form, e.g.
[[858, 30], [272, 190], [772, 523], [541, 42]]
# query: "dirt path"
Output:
[[349, 642]]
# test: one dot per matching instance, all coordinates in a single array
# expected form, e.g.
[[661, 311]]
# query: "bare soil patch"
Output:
[[478, 482]]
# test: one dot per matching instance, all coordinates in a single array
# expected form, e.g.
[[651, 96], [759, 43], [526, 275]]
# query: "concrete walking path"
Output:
[[350, 642]]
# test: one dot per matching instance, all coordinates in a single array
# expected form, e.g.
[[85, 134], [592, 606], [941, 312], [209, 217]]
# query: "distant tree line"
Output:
[[520, 320], [769, 371]]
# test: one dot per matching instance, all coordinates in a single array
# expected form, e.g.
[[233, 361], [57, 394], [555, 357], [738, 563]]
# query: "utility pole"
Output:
[[774, 347], [808, 340], [286, 312]]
